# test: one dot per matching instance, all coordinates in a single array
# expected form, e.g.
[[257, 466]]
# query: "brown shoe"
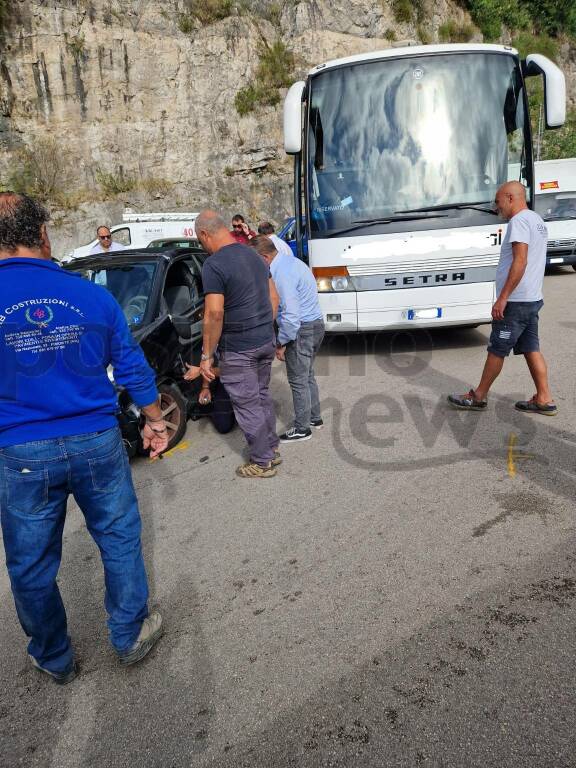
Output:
[[277, 460], [255, 470]]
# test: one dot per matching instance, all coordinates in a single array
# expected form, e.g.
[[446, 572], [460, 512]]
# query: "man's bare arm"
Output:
[[212, 330], [274, 298], [213, 322]]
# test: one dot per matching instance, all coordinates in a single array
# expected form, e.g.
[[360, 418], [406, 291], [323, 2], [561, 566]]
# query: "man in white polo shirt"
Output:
[[105, 243], [265, 228], [519, 279]]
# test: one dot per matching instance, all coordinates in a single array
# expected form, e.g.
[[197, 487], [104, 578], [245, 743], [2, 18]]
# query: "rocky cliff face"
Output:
[[131, 102]]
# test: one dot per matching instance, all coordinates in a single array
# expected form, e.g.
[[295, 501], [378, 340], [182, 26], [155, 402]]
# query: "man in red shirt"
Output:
[[240, 231]]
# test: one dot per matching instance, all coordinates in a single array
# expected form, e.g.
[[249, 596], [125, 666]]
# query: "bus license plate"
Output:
[[431, 313], [556, 261]]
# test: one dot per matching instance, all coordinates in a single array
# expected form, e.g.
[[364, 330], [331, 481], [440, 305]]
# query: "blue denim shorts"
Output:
[[518, 330]]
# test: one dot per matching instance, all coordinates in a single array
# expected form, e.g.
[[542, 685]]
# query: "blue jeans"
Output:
[[300, 356], [36, 479]]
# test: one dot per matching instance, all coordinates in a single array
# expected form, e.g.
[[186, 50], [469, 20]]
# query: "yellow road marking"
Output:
[[182, 446], [514, 455], [511, 465]]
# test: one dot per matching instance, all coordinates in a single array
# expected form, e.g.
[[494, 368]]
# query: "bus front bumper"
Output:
[[348, 312]]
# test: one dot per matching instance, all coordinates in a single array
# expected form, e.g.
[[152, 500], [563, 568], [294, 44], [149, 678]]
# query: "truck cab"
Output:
[[556, 203]]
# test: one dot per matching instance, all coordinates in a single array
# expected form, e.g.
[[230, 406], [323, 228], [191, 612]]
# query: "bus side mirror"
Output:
[[293, 118], [554, 87]]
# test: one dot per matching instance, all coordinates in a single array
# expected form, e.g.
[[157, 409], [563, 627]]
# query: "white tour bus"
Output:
[[398, 156], [138, 230], [556, 203]]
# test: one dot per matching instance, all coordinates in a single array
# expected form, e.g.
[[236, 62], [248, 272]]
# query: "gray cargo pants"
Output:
[[246, 378], [300, 355]]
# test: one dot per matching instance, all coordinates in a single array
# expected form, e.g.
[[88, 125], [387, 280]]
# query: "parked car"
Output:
[[175, 242], [160, 292], [288, 233]]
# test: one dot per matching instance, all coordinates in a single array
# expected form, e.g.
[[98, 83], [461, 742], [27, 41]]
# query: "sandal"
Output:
[[532, 406], [467, 402]]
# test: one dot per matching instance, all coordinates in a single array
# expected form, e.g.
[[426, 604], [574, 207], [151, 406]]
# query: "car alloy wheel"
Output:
[[174, 412]]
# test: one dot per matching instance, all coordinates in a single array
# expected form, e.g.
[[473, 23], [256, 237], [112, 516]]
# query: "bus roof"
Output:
[[415, 50]]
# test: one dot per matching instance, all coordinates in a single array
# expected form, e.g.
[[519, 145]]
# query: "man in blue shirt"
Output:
[[59, 436], [300, 335]]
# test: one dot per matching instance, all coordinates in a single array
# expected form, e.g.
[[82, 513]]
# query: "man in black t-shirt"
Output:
[[238, 321]]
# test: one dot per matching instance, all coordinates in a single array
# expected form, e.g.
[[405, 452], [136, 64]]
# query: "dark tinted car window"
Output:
[[130, 284]]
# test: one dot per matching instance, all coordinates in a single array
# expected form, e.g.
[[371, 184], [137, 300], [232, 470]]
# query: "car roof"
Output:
[[140, 255], [192, 240]]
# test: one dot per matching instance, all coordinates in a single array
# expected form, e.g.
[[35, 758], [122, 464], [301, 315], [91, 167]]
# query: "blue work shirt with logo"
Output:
[[59, 334]]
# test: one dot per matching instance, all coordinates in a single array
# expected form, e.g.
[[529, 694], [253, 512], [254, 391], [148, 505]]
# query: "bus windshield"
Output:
[[411, 133]]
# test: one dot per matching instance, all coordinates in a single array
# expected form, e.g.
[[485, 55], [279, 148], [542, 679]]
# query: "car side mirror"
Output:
[[183, 327]]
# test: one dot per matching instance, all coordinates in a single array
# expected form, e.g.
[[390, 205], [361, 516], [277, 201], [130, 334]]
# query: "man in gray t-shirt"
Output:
[[519, 278], [526, 227]]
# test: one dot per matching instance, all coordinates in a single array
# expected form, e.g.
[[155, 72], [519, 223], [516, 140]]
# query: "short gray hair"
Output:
[[209, 221], [263, 245]]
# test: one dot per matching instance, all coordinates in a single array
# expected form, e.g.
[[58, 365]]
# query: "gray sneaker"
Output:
[[60, 678], [150, 633]]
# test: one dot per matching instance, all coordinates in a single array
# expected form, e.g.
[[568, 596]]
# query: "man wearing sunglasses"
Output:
[[105, 243], [240, 231]]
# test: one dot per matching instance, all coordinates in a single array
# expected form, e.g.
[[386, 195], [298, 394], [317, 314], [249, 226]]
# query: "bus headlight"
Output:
[[332, 279]]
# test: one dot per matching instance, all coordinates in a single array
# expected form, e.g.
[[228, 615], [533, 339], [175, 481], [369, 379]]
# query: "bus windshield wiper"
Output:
[[559, 216], [454, 206], [361, 223]]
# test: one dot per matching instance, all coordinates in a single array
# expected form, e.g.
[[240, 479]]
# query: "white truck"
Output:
[[556, 203], [397, 158], [138, 230]]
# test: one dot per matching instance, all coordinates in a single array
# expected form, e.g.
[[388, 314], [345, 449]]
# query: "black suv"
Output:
[[160, 292]]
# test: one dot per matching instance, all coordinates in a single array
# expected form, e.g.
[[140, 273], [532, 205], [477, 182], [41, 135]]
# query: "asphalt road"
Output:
[[403, 593]]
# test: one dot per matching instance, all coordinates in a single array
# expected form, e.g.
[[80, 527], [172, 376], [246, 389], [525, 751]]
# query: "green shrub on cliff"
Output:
[[489, 15], [209, 11], [39, 169], [4, 13], [402, 10], [562, 141], [549, 17], [114, 183], [553, 16], [275, 71], [451, 32], [526, 43]]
